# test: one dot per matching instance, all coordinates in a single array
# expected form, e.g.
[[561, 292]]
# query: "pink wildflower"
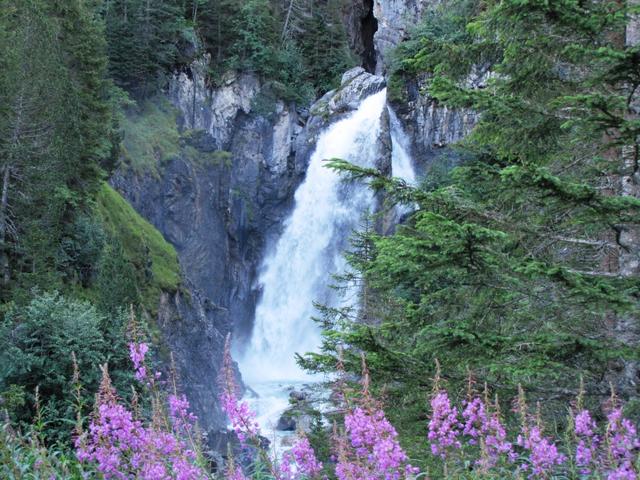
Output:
[[622, 442], [496, 443], [443, 426], [242, 418], [137, 352], [543, 454], [234, 472], [304, 457], [181, 418], [123, 448], [375, 444], [475, 420], [585, 429]]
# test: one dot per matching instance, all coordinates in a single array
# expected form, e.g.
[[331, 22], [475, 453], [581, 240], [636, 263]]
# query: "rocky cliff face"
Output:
[[217, 205], [430, 126], [394, 21]]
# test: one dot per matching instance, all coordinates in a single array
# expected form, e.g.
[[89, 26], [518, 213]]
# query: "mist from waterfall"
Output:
[[298, 270]]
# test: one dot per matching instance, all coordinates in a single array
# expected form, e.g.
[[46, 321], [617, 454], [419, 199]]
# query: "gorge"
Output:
[[390, 230], [226, 219]]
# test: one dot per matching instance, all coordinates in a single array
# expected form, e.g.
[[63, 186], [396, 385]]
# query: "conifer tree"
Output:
[[510, 266], [142, 38]]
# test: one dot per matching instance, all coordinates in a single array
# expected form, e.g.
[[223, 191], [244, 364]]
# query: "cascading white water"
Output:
[[296, 273], [401, 162], [298, 270]]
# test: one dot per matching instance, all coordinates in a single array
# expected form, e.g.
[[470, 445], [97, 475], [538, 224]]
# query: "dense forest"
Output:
[[75, 255], [496, 329]]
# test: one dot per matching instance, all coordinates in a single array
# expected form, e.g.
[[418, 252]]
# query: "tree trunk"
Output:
[[628, 238], [4, 205], [625, 328], [287, 20]]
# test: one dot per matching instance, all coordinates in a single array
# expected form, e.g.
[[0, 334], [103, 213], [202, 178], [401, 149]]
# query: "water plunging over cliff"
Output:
[[299, 268], [401, 161]]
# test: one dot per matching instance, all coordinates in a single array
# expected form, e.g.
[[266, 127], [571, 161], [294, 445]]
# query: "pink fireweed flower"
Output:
[[475, 420], [137, 352], [584, 424], [622, 442], [181, 418], [495, 442], [624, 472], [543, 454], [585, 428], [481, 426], [303, 459], [374, 440], [242, 418], [122, 447], [443, 425], [233, 472], [347, 470]]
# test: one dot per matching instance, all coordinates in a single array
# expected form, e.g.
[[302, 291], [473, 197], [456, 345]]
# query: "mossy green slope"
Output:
[[152, 256]]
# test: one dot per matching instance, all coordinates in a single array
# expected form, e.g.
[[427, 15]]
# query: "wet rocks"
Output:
[[287, 422]]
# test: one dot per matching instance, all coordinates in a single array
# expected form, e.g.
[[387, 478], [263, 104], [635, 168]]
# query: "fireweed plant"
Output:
[[120, 444], [296, 464], [465, 441]]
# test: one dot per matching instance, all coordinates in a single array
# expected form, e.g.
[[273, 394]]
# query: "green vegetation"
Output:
[[150, 139], [142, 42], [511, 266], [73, 253], [153, 258], [37, 345], [150, 136], [298, 48], [80, 86], [26, 456]]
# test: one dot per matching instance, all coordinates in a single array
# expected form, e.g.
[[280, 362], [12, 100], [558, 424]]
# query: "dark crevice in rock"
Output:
[[369, 26]]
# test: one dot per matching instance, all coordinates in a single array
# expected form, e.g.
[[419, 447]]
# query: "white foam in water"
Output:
[[401, 162], [296, 273]]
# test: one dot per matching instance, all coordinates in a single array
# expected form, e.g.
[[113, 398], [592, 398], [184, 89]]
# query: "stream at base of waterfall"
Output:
[[298, 271]]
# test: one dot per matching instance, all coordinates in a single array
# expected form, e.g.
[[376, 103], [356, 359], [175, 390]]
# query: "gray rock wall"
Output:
[[431, 127], [395, 19], [219, 215]]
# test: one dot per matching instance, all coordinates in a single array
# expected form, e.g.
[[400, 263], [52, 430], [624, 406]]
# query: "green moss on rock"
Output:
[[151, 136], [154, 259]]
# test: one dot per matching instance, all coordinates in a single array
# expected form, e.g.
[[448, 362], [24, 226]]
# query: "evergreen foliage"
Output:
[[142, 38], [36, 347], [62, 229], [154, 262], [57, 131], [510, 265]]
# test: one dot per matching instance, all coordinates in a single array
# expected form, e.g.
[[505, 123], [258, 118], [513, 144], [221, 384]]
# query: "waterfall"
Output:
[[401, 162], [299, 268]]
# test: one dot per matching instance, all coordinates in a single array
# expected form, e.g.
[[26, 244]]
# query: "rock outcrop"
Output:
[[217, 202], [394, 21], [361, 26], [430, 126]]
